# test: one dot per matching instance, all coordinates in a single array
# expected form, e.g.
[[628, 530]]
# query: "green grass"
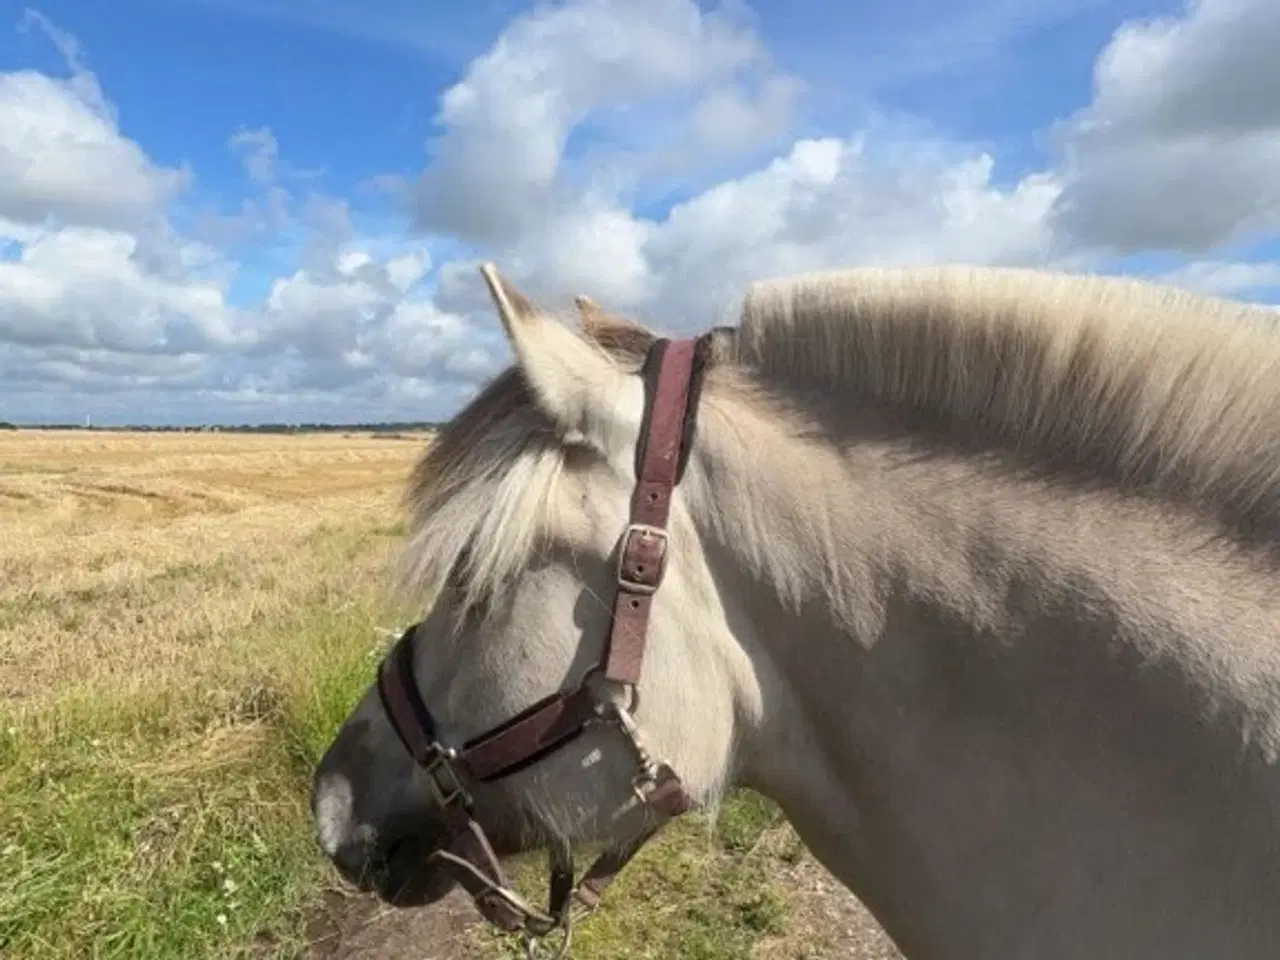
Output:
[[174, 825]]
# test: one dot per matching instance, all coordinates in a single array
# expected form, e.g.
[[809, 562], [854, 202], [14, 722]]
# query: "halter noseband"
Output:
[[673, 378]]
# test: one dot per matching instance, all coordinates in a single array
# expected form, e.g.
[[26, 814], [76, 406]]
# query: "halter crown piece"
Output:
[[672, 374]]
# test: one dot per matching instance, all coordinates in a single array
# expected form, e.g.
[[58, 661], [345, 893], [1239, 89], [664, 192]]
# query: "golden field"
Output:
[[185, 618], [140, 559]]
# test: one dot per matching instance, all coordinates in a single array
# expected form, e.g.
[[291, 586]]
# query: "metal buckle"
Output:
[[644, 530], [445, 793], [643, 784]]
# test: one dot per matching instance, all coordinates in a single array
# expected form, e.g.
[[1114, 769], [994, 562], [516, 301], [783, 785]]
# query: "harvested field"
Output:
[[184, 620]]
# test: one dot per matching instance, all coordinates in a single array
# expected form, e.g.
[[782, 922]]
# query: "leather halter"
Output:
[[673, 377]]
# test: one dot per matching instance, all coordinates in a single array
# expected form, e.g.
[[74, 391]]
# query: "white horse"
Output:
[[975, 572]]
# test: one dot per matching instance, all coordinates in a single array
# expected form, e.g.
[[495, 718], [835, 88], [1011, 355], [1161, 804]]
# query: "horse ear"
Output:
[[573, 379], [593, 316], [618, 336]]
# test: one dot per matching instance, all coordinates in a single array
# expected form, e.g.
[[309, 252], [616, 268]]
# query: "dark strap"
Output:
[[642, 560], [400, 699], [525, 739]]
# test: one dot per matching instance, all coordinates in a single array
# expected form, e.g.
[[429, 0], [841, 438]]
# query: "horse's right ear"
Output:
[[593, 315], [616, 334]]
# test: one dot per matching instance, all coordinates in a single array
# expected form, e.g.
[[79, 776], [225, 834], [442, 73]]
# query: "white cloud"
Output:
[[498, 169], [825, 203], [1226, 278], [85, 287], [833, 202], [361, 318], [63, 158], [101, 295], [259, 152], [500, 177], [1180, 148], [731, 117]]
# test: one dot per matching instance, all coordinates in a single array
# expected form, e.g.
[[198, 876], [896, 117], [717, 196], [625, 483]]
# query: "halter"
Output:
[[672, 376]]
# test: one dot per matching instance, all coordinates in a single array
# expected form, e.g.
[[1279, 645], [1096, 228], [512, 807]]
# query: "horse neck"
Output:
[[954, 665]]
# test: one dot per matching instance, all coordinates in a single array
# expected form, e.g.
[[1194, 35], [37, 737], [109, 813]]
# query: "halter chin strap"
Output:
[[673, 376]]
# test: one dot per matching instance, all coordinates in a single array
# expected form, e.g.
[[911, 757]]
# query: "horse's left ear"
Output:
[[573, 380]]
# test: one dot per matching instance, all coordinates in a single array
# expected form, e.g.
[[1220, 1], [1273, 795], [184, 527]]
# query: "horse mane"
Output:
[[1149, 388]]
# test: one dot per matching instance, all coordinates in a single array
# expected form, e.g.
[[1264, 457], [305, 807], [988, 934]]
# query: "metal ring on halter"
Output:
[[633, 690]]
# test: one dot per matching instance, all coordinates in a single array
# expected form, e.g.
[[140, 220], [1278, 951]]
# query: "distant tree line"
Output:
[[404, 426]]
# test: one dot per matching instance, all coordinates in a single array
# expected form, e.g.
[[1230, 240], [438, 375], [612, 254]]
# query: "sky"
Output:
[[245, 211]]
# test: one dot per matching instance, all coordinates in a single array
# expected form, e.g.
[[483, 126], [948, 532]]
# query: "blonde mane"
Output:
[[1152, 389], [1149, 388]]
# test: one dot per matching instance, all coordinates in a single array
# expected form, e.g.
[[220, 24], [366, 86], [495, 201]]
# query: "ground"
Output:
[[354, 927], [184, 619]]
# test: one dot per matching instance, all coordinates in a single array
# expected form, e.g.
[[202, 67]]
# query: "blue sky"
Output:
[[246, 210]]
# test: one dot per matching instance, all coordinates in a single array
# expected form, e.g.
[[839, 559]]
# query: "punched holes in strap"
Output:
[[642, 551], [658, 456]]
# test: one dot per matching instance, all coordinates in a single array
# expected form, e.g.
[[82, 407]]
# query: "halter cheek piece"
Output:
[[673, 378]]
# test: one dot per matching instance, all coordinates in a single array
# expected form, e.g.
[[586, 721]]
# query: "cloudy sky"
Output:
[[249, 210]]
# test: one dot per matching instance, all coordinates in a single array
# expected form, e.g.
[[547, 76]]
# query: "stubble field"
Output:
[[184, 621]]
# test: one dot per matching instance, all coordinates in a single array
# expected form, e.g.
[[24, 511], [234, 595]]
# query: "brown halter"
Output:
[[673, 379]]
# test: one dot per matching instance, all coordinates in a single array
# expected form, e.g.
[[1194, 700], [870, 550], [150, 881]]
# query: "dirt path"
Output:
[[827, 923], [354, 927]]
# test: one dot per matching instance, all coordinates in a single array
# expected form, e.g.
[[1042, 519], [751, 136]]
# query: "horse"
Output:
[[974, 572]]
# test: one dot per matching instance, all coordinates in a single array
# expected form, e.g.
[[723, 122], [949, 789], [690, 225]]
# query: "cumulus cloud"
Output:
[[364, 318], [1180, 148], [84, 313], [500, 178], [63, 158], [497, 170], [1226, 278], [85, 287], [259, 151], [100, 294], [834, 202]]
